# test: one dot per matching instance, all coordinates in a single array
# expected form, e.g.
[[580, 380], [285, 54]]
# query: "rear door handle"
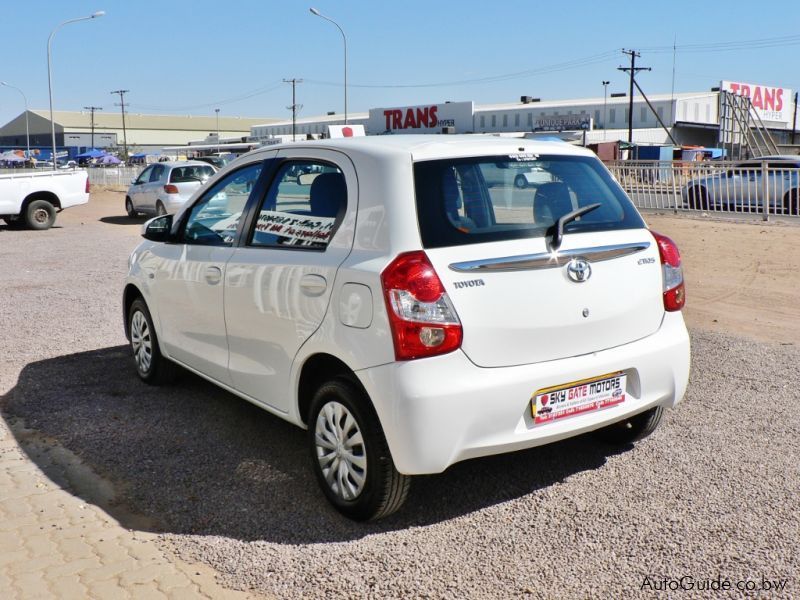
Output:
[[313, 285], [213, 275]]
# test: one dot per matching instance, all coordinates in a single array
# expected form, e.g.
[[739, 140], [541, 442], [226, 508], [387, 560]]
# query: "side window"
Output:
[[156, 173], [303, 207], [145, 175], [213, 220]]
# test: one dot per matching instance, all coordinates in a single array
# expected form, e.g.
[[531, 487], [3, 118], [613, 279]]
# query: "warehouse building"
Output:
[[77, 131]]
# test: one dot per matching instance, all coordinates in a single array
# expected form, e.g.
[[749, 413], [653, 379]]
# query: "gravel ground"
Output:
[[714, 492]]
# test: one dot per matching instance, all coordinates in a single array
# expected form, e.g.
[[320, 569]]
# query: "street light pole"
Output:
[[314, 11], [95, 15], [605, 111], [27, 128]]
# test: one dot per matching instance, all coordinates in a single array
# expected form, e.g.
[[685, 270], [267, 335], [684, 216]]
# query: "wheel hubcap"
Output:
[[141, 342], [40, 215], [340, 450]]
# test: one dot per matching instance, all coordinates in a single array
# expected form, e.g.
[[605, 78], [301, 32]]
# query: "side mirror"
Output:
[[158, 229]]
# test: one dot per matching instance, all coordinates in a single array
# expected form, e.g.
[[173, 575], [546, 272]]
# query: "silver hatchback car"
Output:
[[163, 188]]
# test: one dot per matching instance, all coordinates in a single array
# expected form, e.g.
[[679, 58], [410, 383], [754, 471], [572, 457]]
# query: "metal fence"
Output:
[[765, 188], [116, 176]]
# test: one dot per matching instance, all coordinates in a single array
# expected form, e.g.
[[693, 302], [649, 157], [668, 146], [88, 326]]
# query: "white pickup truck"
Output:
[[32, 199]]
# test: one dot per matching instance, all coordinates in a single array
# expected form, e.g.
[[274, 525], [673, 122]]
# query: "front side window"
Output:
[[145, 175], [496, 198], [214, 219], [303, 207]]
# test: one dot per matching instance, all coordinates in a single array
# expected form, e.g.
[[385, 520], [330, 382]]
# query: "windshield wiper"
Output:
[[557, 228]]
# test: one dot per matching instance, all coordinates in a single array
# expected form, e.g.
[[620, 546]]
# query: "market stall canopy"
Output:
[[92, 153], [108, 160]]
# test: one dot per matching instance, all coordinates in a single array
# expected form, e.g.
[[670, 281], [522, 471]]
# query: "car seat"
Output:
[[328, 195], [452, 201], [552, 201]]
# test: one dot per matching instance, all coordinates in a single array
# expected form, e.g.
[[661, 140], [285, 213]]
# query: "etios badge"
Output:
[[579, 270]]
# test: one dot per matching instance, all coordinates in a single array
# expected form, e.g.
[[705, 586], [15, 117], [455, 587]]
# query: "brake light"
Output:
[[421, 315], [86, 190], [171, 189], [674, 291]]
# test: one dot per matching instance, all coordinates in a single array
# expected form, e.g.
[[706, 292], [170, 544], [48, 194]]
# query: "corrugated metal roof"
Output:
[[591, 101], [71, 120]]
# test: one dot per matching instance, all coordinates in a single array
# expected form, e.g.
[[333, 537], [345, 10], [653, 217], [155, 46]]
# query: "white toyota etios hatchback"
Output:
[[378, 293]]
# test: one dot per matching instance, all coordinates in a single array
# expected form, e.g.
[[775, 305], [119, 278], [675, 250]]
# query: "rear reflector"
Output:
[[422, 318], [86, 191], [171, 189], [674, 290]]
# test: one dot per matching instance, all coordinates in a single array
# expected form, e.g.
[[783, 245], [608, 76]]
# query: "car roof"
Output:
[[428, 147], [183, 163]]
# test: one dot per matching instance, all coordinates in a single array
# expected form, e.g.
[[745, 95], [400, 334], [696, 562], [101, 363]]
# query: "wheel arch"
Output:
[[130, 294], [316, 370], [46, 196]]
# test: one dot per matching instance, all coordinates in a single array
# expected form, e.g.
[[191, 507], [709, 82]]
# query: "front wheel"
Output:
[[351, 458], [151, 366], [633, 429], [132, 213], [39, 215]]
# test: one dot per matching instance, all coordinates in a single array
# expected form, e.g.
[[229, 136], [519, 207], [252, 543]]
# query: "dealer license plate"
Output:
[[578, 397]]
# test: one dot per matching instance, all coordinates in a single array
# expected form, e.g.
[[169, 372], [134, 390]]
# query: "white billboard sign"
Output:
[[770, 103], [426, 118]]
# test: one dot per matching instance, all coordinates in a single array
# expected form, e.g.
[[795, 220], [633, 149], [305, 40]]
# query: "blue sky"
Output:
[[192, 57]]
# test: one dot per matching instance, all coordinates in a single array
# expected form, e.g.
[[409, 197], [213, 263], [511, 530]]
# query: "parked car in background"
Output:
[[369, 291], [216, 161], [164, 187], [741, 187], [32, 199]]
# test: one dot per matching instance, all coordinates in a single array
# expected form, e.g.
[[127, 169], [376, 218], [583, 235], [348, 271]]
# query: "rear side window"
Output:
[[190, 174], [495, 198]]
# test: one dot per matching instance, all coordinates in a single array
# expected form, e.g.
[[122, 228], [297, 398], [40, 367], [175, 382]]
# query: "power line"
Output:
[[122, 104]]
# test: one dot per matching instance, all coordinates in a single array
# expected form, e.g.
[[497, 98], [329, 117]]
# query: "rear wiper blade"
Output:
[[557, 229]]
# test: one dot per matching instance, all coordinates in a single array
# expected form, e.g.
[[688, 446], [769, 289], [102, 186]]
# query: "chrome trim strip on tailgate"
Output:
[[548, 260]]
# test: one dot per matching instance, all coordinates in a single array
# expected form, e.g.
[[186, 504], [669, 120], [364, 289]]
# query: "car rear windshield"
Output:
[[190, 174], [494, 198]]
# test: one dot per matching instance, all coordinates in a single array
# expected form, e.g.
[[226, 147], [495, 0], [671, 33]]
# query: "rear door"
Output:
[[151, 187], [518, 300], [279, 282], [138, 189]]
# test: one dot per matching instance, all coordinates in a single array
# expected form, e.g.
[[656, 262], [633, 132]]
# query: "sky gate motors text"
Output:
[[415, 118]]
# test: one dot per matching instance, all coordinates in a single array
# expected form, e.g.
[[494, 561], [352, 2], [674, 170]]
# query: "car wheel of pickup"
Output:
[[39, 214], [351, 458], [151, 366], [132, 213], [631, 430]]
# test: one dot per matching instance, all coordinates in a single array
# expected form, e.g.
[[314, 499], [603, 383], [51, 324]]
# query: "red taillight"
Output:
[[171, 189], [674, 290], [86, 191], [423, 320]]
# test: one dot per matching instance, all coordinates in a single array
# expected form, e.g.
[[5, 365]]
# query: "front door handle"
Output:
[[313, 285], [213, 275]]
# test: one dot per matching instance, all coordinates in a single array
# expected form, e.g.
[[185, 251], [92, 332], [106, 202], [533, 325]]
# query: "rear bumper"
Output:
[[439, 411]]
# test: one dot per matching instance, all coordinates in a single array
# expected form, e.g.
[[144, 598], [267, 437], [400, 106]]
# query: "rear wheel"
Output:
[[698, 198], [520, 182], [129, 208], [791, 203], [351, 458], [151, 366], [39, 214], [160, 210], [633, 429]]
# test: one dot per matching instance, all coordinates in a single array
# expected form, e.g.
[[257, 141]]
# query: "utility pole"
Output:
[[216, 110], [92, 109], [122, 105], [633, 69], [294, 107]]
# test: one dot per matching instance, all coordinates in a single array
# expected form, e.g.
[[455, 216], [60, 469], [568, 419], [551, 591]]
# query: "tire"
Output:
[[160, 210], [39, 215], [633, 429], [791, 205], [698, 198], [342, 424], [132, 212], [151, 366], [520, 182]]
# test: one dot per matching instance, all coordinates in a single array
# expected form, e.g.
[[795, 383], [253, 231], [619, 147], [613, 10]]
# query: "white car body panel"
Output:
[[434, 411]]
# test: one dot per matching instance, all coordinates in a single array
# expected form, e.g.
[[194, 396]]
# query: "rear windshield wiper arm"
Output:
[[557, 228]]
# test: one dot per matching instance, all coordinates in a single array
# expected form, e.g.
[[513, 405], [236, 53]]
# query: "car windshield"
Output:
[[192, 173], [495, 198]]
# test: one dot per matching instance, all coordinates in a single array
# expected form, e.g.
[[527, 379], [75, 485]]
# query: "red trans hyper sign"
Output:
[[771, 103], [412, 118]]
